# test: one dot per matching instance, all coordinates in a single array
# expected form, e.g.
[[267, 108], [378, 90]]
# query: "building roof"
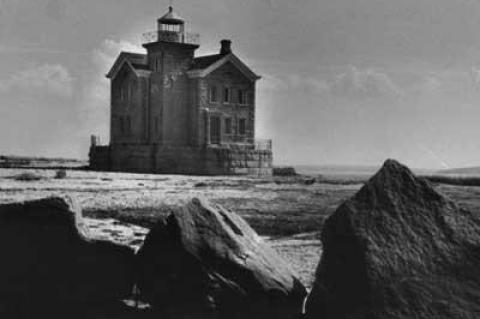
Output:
[[171, 17], [137, 61], [136, 58], [202, 66], [204, 62]]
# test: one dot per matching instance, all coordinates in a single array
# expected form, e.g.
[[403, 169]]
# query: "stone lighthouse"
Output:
[[173, 112]]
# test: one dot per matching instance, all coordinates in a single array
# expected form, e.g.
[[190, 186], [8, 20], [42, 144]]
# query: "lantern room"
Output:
[[171, 28]]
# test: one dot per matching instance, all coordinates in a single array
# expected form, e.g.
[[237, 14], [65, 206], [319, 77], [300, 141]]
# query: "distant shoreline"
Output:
[[9, 161]]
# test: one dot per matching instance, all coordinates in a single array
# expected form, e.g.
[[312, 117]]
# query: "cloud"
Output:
[[55, 10], [354, 83], [459, 82], [296, 82], [366, 83], [475, 75], [97, 90], [430, 84], [105, 55], [95, 99], [52, 78]]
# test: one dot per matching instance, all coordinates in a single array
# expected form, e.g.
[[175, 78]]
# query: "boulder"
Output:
[[49, 262], [398, 249], [204, 261]]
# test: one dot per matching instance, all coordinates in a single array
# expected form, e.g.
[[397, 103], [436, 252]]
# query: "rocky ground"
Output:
[[288, 212]]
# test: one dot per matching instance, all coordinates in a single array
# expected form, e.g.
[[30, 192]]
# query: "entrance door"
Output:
[[215, 129]]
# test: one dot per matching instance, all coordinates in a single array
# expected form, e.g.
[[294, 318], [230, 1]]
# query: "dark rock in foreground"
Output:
[[50, 265], [398, 249], [206, 262]]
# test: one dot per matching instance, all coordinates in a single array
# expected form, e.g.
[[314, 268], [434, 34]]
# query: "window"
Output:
[[122, 127], [129, 125], [157, 124], [122, 94], [250, 98], [242, 97], [213, 94], [226, 95], [131, 91], [158, 64], [228, 126], [242, 126]]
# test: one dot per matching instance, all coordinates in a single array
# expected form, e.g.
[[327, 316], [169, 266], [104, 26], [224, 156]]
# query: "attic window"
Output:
[[226, 95], [213, 94], [131, 91]]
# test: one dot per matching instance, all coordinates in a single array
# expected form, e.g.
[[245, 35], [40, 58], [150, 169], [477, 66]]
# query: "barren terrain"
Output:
[[287, 211]]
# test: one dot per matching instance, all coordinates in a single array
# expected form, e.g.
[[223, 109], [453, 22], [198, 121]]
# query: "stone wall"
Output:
[[213, 161], [144, 158], [135, 158], [239, 161], [99, 158]]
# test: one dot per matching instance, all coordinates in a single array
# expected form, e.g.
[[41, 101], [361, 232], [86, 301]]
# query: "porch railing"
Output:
[[257, 144]]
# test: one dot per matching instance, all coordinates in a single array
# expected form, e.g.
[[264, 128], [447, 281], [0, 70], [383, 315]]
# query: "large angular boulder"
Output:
[[49, 262], [398, 249], [204, 261]]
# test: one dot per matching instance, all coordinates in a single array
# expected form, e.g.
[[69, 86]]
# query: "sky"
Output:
[[344, 82]]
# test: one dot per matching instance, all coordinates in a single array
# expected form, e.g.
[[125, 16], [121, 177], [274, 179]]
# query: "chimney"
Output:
[[226, 47]]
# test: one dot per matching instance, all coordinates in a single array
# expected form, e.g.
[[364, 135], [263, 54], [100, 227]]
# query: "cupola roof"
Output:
[[171, 17]]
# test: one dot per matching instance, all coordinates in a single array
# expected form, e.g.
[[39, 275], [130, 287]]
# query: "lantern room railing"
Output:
[[172, 36]]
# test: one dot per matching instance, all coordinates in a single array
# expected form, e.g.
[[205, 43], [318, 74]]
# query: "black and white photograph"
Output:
[[225, 159]]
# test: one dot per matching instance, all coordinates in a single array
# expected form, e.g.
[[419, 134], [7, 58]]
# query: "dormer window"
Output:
[[213, 94], [226, 95]]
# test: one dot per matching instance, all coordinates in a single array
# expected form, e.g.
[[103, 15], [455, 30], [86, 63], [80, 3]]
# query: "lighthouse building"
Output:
[[172, 112]]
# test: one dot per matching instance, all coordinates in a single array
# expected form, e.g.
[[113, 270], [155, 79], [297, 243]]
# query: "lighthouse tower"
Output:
[[170, 53]]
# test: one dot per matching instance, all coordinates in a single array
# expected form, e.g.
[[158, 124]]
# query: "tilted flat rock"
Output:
[[204, 261], [48, 260], [398, 249]]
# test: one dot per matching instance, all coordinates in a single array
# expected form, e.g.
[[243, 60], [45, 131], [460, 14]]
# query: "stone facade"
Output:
[[172, 112]]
